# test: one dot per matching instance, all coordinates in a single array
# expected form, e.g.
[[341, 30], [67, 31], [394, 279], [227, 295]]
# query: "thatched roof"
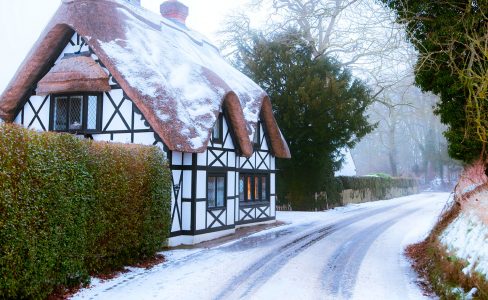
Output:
[[77, 73], [176, 78]]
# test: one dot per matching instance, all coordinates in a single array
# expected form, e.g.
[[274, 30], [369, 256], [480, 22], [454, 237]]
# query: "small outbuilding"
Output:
[[110, 70]]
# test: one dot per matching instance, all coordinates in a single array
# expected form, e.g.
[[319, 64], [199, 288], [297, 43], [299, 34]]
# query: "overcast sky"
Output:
[[21, 22]]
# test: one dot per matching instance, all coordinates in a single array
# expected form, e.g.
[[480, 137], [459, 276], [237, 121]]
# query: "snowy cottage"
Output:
[[112, 71]]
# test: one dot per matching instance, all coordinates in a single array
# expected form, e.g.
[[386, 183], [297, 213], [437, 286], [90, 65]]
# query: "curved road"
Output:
[[349, 253]]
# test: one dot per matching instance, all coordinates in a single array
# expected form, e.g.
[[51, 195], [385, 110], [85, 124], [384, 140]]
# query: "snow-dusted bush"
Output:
[[72, 207]]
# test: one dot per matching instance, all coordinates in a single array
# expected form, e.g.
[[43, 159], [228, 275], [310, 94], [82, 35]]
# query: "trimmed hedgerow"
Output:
[[378, 185], [73, 207]]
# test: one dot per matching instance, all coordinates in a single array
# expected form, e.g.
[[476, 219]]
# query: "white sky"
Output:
[[22, 21]]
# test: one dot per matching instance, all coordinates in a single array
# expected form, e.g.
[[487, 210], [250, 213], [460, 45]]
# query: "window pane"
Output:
[[60, 113], [220, 191], [211, 191], [91, 122], [256, 188], [241, 188], [249, 188], [264, 183], [256, 135], [75, 111], [216, 130]]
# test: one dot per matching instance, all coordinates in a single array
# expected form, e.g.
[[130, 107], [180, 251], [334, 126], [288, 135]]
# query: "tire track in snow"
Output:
[[342, 269], [258, 273]]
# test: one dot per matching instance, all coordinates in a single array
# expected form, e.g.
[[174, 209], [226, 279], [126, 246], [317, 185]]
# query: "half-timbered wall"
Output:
[[123, 122], [261, 162], [192, 170]]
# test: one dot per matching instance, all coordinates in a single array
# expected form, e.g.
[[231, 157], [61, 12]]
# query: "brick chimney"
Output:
[[175, 11]]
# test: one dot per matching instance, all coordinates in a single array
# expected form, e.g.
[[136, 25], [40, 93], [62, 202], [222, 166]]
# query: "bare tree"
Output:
[[362, 35], [408, 140]]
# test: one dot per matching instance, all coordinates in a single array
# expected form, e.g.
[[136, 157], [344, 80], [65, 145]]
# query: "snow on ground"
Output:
[[467, 238], [387, 252], [362, 244]]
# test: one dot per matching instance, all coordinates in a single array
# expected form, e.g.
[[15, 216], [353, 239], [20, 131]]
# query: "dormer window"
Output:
[[217, 131], [75, 85], [257, 135], [77, 113]]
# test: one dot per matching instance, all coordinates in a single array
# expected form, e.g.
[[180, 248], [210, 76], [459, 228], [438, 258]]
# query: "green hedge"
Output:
[[72, 207], [379, 185], [376, 182]]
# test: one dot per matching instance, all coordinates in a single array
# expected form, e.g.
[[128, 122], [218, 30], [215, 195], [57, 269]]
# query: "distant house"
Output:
[[110, 70], [348, 168]]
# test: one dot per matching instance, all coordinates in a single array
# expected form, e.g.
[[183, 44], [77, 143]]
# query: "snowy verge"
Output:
[[467, 238]]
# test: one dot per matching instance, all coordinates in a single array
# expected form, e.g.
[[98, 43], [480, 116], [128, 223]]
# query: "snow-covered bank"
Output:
[[454, 258], [467, 238]]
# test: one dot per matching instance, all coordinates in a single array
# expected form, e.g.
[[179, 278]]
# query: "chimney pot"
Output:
[[175, 11]]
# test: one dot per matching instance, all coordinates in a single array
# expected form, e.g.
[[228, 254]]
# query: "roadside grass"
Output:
[[442, 273]]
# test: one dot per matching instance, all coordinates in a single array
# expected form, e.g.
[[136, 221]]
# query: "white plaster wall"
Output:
[[122, 138], [228, 142], [202, 159], [201, 211], [231, 176], [72, 49], [264, 143], [177, 158], [187, 159], [125, 111], [230, 212], [273, 206], [101, 137], [201, 184], [272, 183], [30, 115], [186, 193], [232, 159], [139, 123], [144, 138], [218, 163], [186, 215]]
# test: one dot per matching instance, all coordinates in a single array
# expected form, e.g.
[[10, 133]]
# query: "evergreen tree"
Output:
[[318, 106], [451, 37]]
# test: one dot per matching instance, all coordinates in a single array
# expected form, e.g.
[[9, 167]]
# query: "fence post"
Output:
[[315, 205], [326, 201]]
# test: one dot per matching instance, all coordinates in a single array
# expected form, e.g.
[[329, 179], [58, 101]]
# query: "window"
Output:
[[76, 112], [217, 131], [257, 135], [253, 187], [215, 190]]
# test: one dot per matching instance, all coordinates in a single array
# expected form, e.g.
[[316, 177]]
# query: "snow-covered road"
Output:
[[353, 252]]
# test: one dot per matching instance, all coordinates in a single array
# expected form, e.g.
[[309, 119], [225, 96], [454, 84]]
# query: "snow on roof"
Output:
[[174, 75], [348, 168]]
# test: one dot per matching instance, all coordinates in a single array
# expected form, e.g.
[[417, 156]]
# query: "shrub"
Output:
[[378, 185], [72, 207]]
